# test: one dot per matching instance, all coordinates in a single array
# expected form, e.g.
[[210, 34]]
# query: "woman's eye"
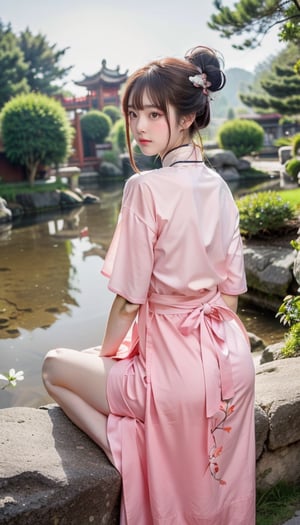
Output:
[[154, 115], [132, 114]]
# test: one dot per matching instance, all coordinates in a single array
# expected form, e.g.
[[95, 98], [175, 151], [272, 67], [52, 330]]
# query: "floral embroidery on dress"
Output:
[[216, 450]]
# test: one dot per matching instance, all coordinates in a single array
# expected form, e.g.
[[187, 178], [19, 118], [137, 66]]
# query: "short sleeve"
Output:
[[235, 282], [129, 261]]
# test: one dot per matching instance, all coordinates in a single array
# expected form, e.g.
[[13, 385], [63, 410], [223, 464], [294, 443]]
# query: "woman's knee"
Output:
[[51, 364]]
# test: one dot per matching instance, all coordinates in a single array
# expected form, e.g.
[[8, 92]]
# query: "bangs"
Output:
[[150, 85]]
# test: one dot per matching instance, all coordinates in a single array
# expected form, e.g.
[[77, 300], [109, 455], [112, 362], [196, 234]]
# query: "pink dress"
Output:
[[181, 395]]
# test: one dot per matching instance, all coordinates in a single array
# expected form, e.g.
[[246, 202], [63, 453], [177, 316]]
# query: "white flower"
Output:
[[12, 377]]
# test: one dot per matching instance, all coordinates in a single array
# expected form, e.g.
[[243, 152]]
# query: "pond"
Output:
[[53, 294]]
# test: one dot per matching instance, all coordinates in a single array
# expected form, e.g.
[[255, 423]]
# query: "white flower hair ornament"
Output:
[[201, 81]]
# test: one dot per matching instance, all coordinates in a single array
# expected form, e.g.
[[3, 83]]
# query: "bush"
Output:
[[291, 346], [296, 144], [118, 136], [263, 212], [95, 126], [35, 131], [292, 168], [113, 112], [241, 136]]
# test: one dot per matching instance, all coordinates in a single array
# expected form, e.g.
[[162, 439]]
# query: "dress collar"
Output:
[[186, 153]]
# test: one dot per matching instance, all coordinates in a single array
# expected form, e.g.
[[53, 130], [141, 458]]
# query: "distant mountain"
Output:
[[237, 81]]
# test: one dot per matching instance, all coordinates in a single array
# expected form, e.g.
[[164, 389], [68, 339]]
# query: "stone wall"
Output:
[[51, 473]]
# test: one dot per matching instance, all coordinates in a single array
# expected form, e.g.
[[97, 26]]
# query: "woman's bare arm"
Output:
[[121, 317], [231, 301]]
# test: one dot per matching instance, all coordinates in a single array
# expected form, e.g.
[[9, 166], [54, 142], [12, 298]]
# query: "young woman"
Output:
[[169, 394]]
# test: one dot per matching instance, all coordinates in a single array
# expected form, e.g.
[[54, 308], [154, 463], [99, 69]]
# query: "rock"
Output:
[[89, 198], [219, 158], [271, 352], [229, 173], [256, 343], [284, 154], [269, 268], [70, 198], [278, 395], [280, 465], [296, 268], [278, 391], [261, 430], [51, 472], [5, 213], [38, 201], [243, 164]]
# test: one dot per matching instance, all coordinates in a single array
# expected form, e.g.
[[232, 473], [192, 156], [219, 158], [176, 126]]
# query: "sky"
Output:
[[127, 33]]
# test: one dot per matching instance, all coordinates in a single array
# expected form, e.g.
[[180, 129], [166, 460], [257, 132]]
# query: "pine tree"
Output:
[[12, 66], [43, 63], [280, 88], [256, 18]]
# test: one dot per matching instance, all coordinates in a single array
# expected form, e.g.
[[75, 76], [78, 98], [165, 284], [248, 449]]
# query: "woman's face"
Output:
[[150, 129]]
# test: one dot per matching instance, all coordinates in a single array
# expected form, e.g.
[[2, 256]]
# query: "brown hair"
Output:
[[166, 82]]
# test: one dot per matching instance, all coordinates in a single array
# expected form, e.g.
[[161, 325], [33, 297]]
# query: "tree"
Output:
[[12, 66], [35, 130], [42, 59], [279, 85], [257, 18]]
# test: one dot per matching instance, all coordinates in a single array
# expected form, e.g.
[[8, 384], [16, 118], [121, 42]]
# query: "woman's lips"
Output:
[[144, 141]]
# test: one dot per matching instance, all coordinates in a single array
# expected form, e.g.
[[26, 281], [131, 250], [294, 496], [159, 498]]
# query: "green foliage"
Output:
[[12, 66], [95, 126], [292, 196], [276, 87], [291, 346], [9, 191], [256, 18], [296, 144], [289, 314], [241, 136], [28, 63], [35, 130], [283, 141], [42, 59], [113, 112], [292, 168], [277, 504], [263, 212], [289, 310], [118, 135]]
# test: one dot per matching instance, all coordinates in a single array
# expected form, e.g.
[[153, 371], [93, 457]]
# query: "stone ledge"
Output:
[[51, 472]]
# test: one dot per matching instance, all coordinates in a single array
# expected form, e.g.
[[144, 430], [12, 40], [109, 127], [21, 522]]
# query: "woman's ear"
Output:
[[187, 120]]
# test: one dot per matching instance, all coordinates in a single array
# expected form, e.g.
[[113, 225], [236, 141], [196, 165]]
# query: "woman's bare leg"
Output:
[[77, 382]]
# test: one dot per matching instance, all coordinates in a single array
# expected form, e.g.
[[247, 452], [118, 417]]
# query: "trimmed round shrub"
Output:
[[241, 136], [118, 135], [263, 212], [113, 112], [35, 131], [296, 144], [95, 126], [292, 168]]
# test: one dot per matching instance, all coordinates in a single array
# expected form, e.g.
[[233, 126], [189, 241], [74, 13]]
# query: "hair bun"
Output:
[[208, 61]]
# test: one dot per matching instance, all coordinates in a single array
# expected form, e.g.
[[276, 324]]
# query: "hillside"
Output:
[[237, 81]]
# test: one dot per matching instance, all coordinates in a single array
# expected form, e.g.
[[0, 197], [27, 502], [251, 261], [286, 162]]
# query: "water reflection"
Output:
[[52, 293]]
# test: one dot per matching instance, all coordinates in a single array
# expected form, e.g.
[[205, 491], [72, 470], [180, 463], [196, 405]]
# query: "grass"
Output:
[[9, 191], [277, 504], [292, 196]]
